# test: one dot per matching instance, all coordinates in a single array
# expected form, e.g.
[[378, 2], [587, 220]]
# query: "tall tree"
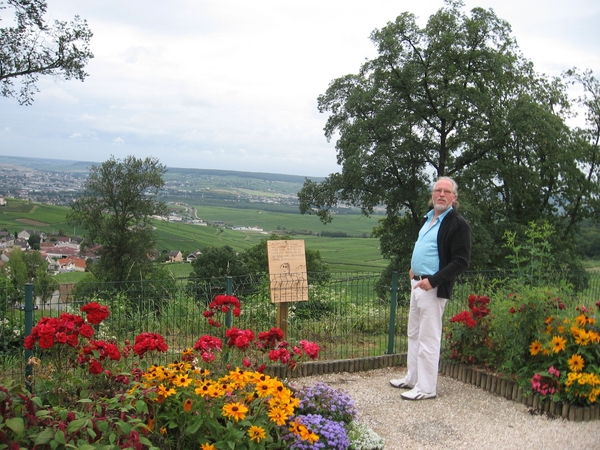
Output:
[[115, 208], [454, 98], [31, 48]]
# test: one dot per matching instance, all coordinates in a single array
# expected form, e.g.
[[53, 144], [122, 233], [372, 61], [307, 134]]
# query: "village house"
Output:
[[175, 256]]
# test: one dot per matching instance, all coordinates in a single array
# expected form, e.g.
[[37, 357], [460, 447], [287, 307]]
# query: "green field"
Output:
[[356, 253]]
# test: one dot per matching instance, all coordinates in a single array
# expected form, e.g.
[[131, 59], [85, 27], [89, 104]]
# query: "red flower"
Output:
[[269, 339], [86, 331], [95, 313], [207, 343], [512, 310], [46, 342], [95, 367], [310, 348], [146, 342]]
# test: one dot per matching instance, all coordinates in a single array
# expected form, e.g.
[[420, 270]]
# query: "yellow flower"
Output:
[[264, 388], [187, 405], [547, 320], [576, 363], [163, 392], [278, 415], [591, 320], [207, 446], [535, 347], [560, 329], [163, 430], [235, 411], [182, 380], [256, 433], [558, 344], [581, 320]]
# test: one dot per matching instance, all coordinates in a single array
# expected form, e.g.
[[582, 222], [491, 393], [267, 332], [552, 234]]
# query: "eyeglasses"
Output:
[[445, 191]]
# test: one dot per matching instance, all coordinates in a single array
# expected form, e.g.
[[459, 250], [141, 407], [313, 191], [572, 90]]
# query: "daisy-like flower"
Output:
[[558, 343], [235, 411], [581, 320], [207, 446], [535, 347], [264, 388], [182, 380], [203, 387], [278, 415], [162, 391], [187, 405], [256, 433], [163, 430], [576, 363]]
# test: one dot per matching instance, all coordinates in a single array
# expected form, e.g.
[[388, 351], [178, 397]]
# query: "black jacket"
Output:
[[454, 250]]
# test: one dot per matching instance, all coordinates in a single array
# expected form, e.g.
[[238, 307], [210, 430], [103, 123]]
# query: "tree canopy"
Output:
[[457, 98], [118, 200], [31, 48]]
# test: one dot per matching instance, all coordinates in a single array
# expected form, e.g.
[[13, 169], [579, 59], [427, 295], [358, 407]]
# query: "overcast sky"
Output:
[[233, 84]]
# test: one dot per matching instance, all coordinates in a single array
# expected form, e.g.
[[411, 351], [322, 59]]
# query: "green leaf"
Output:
[[141, 406], [60, 437], [16, 424], [44, 437], [193, 427], [76, 425]]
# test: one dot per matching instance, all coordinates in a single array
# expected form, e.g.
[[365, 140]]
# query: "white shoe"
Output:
[[414, 394], [401, 383]]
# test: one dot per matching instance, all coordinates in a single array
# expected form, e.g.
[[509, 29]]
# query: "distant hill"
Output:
[[64, 165]]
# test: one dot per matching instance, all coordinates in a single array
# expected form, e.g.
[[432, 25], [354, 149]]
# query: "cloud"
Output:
[[234, 84]]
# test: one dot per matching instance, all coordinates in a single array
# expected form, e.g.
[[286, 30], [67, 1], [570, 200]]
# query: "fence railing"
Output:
[[348, 314]]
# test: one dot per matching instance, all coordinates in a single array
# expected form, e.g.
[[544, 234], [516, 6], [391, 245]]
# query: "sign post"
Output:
[[287, 274]]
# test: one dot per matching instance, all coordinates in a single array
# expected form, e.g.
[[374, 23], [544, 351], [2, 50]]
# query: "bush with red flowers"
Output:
[[243, 347], [467, 334]]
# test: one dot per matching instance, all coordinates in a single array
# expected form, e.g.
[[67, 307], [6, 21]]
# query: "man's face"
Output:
[[443, 195]]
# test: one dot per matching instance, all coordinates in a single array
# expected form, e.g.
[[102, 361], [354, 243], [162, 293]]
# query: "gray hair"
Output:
[[454, 188]]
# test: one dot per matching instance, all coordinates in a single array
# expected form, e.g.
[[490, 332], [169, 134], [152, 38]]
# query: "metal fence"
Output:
[[349, 315]]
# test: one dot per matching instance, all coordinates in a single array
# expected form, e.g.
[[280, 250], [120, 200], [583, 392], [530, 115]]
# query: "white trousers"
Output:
[[424, 338]]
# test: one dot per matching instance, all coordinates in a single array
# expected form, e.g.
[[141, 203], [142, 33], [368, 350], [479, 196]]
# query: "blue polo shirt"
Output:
[[425, 258]]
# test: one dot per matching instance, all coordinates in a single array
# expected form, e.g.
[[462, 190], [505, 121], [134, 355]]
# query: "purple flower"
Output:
[[332, 434], [331, 403]]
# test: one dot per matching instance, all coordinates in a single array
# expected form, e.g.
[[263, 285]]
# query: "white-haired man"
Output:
[[442, 252]]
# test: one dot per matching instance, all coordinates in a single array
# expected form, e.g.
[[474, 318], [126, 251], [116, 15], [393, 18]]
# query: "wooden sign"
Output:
[[287, 271]]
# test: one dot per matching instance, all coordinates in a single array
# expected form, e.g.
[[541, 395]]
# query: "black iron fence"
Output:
[[349, 315]]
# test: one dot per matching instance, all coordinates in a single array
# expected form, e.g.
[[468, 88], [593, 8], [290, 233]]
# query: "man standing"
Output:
[[441, 253]]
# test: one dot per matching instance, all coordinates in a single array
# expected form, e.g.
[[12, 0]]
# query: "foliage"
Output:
[[567, 351], [109, 423], [457, 98], [528, 331], [32, 48], [115, 209], [468, 333]]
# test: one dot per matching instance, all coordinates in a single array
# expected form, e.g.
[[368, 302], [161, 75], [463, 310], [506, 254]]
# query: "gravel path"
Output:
[[461, 417]]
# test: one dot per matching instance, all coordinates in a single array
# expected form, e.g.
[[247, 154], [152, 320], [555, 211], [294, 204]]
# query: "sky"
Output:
[[233, 84]]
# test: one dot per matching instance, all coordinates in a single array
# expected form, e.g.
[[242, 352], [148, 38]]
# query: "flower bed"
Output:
[[510, 390], [100, 394]]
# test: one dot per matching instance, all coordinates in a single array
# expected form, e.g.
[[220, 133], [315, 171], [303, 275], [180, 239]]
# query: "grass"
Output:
[[357, 253]]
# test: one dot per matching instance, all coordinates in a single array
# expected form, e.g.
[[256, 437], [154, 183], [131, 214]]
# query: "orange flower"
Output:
[[576, 363], [558, 344], [235, 411], [535, 347], [187, 405]]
